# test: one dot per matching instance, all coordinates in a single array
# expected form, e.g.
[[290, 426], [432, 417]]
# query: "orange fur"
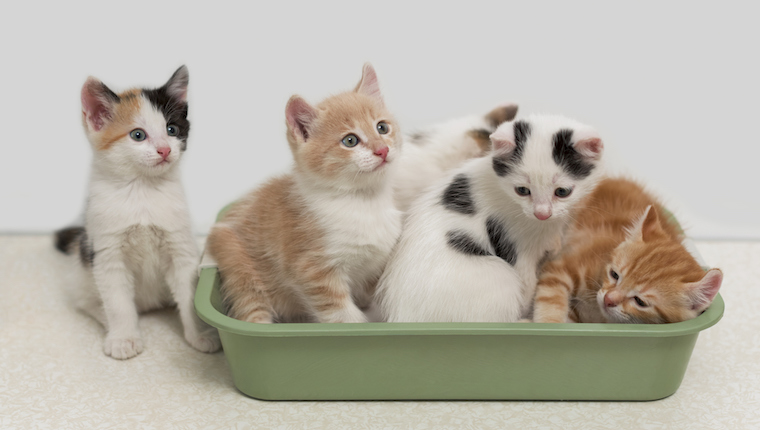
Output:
[[649, 260], [273, 249], [122, 119]]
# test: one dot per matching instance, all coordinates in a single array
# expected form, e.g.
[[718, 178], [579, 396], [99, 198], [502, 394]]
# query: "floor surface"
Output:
[[54, 375]]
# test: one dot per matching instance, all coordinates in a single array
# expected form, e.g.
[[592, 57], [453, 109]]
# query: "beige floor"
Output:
[[54, 375]]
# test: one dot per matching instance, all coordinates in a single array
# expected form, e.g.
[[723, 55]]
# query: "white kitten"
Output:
[[470, 247], [432, 153], [137, 251]]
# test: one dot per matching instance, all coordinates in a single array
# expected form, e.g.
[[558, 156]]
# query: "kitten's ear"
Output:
[[501, 114], [97, 103], [703, 291], [176, 86], [588, 143], [647, 227], [503, 139], [368, 85], [299, 116]]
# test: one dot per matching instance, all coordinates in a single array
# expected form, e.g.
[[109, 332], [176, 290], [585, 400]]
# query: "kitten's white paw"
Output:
[[348, 315], [123, 348], [208, 341]]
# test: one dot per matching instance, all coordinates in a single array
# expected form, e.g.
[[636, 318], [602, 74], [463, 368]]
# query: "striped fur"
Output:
[[622, 231]]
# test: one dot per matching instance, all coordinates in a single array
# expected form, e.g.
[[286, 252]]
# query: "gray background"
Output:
[[670, 86]]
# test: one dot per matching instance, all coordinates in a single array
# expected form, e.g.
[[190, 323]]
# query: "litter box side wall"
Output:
[[529, 362], [457, 367]]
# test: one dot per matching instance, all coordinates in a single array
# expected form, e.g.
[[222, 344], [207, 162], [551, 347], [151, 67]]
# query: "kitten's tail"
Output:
[[67, 239]]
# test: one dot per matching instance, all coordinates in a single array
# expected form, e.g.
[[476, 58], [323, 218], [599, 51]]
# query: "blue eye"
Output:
[[350, 141], [563, 192], [383, 127], [172, 130], [138, 134], [522, 191]]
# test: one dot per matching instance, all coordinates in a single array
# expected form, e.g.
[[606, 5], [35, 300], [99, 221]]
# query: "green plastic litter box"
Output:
[[452, 361]]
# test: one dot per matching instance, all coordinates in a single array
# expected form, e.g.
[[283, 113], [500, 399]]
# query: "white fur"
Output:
[[422, 164], [428, 281], [138, 222], [361, 228]]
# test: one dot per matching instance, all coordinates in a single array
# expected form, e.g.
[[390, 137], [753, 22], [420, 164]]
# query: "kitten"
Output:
[[471, 245], [311, 245], [136, 248], [623, 262], [435, 151]]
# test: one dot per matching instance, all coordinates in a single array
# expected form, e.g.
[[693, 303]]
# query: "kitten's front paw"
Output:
[[123, 348], [350, 315], [208, 341]]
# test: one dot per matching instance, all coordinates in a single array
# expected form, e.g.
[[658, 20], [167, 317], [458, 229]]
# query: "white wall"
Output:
[[672, 88]]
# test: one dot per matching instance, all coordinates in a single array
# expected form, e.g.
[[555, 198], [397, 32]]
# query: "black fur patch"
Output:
[[65, 237], [497, 235], [175, 111], [566, 157], [457, 196], [464, 243], [503, 165]]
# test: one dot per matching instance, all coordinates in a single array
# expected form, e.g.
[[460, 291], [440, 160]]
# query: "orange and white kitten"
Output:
[[311, 245], [623, 262]]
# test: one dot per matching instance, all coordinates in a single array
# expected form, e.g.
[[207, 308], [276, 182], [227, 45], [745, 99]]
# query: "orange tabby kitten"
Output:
[[620, 266], [305, 245]]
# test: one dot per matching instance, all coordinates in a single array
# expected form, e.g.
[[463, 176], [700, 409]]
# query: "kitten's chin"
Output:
[[159, 168]]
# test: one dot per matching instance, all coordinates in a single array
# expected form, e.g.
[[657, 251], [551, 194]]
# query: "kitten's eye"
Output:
[[383, 127], [138, 134], [640, 302], [563, 192], [522, 191], [614, 275], [350, 141], [172, 130]]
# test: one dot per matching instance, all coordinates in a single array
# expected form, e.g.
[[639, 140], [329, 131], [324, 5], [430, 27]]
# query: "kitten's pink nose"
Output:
[[608, 301], [164, 151], [543, 216], [382, 152]]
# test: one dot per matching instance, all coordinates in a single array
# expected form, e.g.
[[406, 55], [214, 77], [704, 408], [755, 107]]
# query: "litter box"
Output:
[[452, 361]]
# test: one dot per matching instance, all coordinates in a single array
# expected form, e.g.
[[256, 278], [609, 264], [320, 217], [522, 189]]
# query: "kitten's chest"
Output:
[[117, 208], [358, 230]]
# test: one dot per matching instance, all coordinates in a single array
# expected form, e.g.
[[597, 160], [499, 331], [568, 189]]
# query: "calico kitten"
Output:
[[623, 262], [310, 245], [471, 245], [136, 249], [437, 150]]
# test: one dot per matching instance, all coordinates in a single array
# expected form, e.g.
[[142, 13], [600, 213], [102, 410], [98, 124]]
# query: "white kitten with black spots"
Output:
[[470, 247], [136, 250], [433, 152]]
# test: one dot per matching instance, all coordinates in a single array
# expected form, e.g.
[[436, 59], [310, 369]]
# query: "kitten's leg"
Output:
[[555, 287], [182, 279], [330, 299], [364, 294], [115, 284], [242, 289]]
